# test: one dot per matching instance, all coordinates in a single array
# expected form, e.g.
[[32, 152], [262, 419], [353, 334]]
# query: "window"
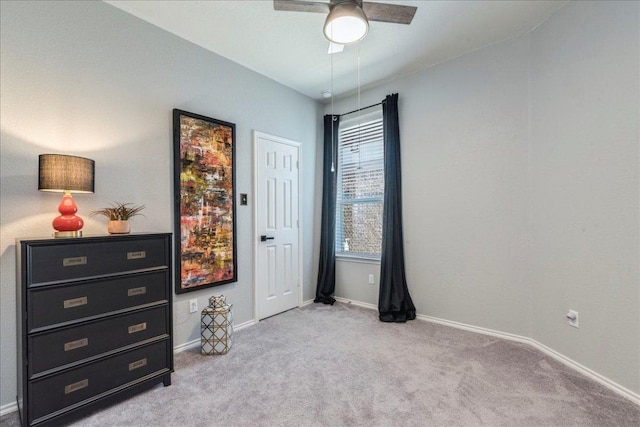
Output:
[[360, 187]]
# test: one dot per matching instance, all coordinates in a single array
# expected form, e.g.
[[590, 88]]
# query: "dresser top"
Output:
[[87, 238]]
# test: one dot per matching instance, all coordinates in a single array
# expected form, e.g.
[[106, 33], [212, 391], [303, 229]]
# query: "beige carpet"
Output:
[[339, 366]]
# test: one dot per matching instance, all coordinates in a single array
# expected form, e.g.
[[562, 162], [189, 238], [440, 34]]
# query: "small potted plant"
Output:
[[119, 215]]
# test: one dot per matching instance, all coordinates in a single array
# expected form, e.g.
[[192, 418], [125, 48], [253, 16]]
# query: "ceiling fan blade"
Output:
[[385, 12], [301, 6]]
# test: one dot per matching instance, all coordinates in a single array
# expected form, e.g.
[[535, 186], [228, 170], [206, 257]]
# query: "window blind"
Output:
[[360, 188]]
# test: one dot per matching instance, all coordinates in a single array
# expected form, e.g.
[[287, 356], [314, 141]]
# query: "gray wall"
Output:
[[585, 127], [463, 129], [520, 175], [86, 78]]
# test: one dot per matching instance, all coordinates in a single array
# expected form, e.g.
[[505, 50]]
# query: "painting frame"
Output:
[[204, 202]]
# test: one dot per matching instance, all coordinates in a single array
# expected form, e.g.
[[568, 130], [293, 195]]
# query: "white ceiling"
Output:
[[289, 47]]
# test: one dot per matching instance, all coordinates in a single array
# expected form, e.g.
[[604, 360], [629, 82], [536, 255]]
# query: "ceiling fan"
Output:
[[348, 20]]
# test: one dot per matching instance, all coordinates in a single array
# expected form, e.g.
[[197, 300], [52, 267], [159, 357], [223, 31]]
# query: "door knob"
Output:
[[264, 238]]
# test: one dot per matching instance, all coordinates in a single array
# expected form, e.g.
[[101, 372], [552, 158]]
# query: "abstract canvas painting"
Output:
[[204, 182]]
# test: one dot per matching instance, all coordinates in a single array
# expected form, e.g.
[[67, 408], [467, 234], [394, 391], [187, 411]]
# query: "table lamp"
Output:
[[66, 174]]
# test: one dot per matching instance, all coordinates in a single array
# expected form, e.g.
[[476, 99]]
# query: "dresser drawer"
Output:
[[64, 346], [50, 305], [51, 263], [82, 384]]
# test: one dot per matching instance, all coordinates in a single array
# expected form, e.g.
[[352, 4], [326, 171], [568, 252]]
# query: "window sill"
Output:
[[357, 259]]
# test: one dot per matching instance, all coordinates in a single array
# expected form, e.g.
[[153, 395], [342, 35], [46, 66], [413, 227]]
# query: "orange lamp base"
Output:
[[68, 224]]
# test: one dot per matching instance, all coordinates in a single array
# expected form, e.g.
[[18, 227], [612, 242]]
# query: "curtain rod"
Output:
[[359, 109]]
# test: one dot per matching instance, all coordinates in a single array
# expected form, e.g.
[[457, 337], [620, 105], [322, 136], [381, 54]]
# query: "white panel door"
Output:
[[277, 210]]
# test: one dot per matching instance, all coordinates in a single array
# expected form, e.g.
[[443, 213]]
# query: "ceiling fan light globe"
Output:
[[346, 23]]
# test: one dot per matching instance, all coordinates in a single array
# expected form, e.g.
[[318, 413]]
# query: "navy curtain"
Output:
[[327, 267], [394, 303]]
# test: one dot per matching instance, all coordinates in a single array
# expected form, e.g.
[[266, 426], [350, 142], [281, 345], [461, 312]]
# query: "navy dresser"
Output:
[[94, 322]]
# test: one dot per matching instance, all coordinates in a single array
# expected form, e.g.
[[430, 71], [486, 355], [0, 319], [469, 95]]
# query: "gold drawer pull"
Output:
[[70, 262], [72, 345], [76, 302], [76, 386], [138, 364], [137, 328], [137, 291], [136, 255]]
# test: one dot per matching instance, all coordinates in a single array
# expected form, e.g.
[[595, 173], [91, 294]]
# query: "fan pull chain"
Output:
[[333, 118], [359, 111]]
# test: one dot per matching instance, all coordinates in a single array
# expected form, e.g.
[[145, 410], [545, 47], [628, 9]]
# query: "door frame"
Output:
[[256, 135]]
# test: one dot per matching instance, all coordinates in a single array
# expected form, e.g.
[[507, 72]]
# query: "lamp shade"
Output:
[[60, 173], [346, 23]]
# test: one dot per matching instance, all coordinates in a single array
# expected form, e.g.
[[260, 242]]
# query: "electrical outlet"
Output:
[[371, 279], [193, 305], [573, 318]]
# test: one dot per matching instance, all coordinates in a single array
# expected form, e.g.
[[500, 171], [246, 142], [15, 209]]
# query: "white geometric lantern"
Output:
[[216, 327]]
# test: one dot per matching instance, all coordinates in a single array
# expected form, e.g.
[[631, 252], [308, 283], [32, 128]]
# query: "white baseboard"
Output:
[[612, 385], [358, 303], [196, 343], [307, 302], [8, 408]]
